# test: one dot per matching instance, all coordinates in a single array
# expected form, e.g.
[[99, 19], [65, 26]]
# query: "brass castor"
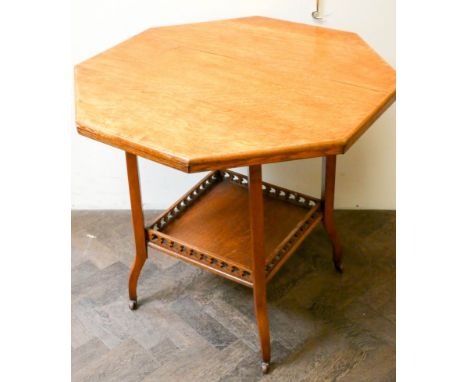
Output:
[[132, 304], [338, 267], [265, 367]]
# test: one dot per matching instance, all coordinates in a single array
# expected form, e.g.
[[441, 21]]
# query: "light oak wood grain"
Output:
[[257, 239], [233, 92], [141, 249]]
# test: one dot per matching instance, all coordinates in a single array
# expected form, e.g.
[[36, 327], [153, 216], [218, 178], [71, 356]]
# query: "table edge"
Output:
[[242, 159], [213, 163]]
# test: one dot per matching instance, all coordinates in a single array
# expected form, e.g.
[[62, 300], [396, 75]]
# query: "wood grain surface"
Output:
[[234, 92], [208, 226], [219, 223], [257, 240], [141, 249]]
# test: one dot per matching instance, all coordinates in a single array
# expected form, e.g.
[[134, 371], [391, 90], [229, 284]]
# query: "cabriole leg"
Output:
[[328, 200], [257, 233], [141, 252]]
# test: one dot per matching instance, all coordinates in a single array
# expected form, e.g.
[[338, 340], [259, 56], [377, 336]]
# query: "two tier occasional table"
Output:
[[217, 95]]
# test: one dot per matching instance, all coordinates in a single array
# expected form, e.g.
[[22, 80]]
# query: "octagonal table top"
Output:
[[234, 92]]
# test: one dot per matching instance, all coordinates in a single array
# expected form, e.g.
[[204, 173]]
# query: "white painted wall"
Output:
[[366, 173]]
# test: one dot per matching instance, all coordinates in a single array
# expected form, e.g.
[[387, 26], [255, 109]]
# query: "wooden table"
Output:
[[230, 93]]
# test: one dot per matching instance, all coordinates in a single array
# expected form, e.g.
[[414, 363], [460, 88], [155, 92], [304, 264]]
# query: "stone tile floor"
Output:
[[194, 326]]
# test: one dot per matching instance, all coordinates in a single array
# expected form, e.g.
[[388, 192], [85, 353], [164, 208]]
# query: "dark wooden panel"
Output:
[[219, 223]]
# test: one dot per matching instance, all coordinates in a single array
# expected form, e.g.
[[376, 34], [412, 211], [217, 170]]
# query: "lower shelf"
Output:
[[209, 226]]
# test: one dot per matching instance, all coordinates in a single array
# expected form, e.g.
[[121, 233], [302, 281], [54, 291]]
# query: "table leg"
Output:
[[141, 251], [328, 199], [257, 233]]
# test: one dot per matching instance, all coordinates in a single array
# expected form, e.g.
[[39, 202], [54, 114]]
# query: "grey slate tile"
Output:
[[104, 286], [192, 313], [86, 354], [193, 324], [127, 362], [99, 324]]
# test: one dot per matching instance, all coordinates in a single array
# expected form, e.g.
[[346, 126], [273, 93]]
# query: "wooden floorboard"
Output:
[[193, 325]]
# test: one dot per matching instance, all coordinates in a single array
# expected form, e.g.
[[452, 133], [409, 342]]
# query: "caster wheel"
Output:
[[265, 367], [132, 304], [339, 268]]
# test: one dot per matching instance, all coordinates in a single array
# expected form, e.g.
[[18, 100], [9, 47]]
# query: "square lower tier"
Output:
[[209, 226]]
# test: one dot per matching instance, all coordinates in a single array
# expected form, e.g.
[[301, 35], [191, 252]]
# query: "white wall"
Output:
[[366, 173]]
